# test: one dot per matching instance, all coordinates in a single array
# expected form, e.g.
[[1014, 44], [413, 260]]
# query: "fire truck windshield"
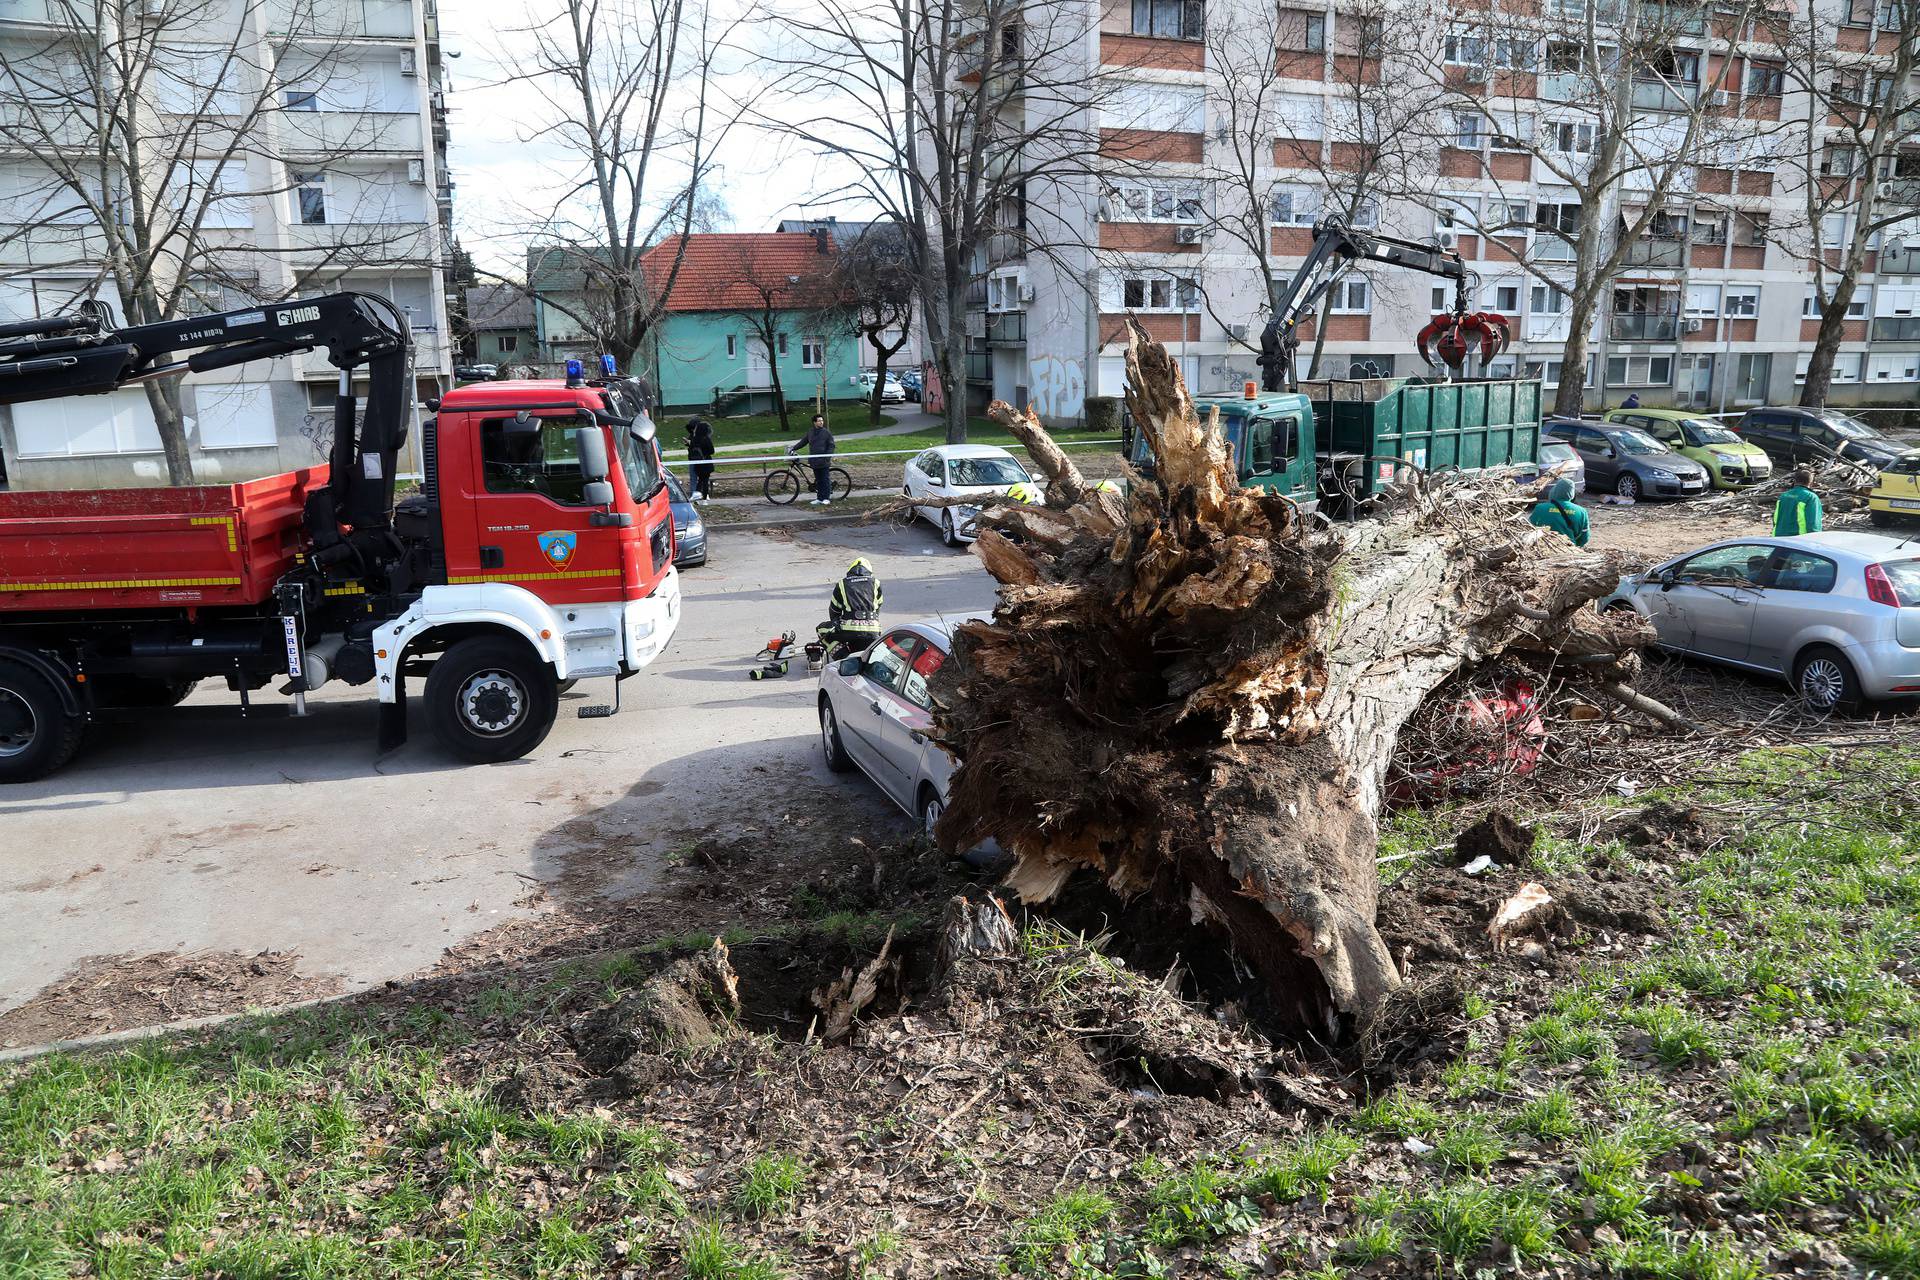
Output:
[[638, 462]]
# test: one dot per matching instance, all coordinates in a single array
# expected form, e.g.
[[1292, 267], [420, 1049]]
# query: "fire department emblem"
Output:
[[556, 546]]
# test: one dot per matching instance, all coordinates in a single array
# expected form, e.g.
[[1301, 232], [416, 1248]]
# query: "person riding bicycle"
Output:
[[853, 612]]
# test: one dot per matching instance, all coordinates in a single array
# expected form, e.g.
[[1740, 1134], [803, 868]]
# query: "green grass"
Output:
[[1766, 1054]]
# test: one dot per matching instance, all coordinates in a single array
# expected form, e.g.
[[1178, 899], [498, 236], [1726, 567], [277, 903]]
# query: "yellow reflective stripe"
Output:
[[468, 579], [119, 583], [233, 541], [345, 591]]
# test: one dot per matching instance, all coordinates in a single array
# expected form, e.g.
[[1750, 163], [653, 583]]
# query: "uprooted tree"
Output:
[[1195, 691]]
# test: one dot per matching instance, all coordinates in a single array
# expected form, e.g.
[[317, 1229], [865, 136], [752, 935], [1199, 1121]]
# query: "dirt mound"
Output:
[[687, 1006], [1496, 836], [110, 993]]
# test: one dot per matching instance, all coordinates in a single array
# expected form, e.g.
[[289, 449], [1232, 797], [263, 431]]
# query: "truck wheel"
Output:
[[37, 735], [490, 699]]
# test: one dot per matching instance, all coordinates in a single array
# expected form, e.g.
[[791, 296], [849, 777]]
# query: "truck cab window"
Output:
[[1260, 447], [543, 461]]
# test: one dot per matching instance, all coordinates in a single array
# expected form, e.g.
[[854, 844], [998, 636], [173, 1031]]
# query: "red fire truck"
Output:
[[537, 553]]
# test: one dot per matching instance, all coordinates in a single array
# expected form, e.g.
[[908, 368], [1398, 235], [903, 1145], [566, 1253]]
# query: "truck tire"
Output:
[[490, 698], [37, 732]]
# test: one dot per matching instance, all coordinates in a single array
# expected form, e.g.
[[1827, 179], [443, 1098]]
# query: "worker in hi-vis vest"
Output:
[[1798, 510]]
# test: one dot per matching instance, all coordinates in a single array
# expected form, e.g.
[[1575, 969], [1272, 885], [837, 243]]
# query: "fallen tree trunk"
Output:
[[1196, 692]]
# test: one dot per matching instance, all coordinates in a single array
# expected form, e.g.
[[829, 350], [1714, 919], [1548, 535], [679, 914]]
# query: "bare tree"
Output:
[[1854, 166], [874, 276], [1604, 101], [943, 113], [633, 116], [143, 134], [771, 299]]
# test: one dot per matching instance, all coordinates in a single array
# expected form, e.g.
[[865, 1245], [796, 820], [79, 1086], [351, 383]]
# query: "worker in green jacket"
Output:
[[1559, 512], [1798, 510]]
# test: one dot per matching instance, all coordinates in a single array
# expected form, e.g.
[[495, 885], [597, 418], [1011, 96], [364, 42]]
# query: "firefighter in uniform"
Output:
[[853, 613]]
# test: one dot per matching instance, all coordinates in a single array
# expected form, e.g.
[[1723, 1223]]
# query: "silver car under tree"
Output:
[[1838, 614]]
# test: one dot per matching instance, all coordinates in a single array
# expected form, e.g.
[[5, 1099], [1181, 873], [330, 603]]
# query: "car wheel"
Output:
[[490, 699], [37, 735], [1628, 486], [931, 807], [948, 533], [1882, 519], [836, 752], [1825, 681]]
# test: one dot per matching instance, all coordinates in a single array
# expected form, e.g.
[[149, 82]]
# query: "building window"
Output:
[[1846, 366], [1442, 298], [1545, 300], [1856, 305], [1467, 130], [1352, 296], [1294, 205], [1153, 202], [1466, 47], [1313, 38], [1709, 227], [1172, 19], [1703, 300], [1639, 371], [310, 196], [1515, 133], [1373, 42], [1158, 293], [509, 342], [301, 100], [1765, 79], [813, 353], [1561, 218], [1750, 230], [1506, 297], [733, 347], [780, 343], [1742, 301], [1570, 136]]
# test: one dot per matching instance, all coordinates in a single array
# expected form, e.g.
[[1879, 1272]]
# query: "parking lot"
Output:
[[197, 830]]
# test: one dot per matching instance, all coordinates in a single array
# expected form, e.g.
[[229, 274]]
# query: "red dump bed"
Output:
[[141, 548]]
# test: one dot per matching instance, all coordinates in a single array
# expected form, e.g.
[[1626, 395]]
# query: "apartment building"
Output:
[[1711, 305], [314, 160]]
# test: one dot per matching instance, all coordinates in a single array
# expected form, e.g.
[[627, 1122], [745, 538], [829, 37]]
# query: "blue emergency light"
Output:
[[575, 373], [608, 367]]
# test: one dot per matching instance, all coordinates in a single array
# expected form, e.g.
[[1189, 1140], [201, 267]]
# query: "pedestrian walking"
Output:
[[1559, 512], [1798, 510], [699, 452], [818, 442]]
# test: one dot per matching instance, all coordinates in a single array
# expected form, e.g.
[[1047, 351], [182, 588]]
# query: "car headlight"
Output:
[[1659, 474], [695, 529], [1726, 458]]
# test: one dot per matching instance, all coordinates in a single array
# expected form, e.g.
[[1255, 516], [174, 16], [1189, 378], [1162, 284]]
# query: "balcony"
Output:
[[1651, 251], [343, 132], [1901, 191], [979, 367], [1643, 326], [1653, 94], [345, 19], [1006, 327], [1904, 263], [1896, 328], [1677, 19]]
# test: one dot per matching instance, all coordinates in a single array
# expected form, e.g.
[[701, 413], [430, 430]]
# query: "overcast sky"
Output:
[[498, 175]]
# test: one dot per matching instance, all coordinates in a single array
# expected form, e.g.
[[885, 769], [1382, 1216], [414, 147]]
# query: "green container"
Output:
[[1368, 424]]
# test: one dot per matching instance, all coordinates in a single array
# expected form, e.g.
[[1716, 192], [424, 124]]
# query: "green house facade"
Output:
[[704, 359]]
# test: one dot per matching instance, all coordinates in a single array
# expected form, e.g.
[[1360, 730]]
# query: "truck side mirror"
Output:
[[597, 493], [590, 443]]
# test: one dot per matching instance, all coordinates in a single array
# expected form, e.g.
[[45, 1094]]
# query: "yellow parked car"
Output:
[[1731, 462], [1897, 495]]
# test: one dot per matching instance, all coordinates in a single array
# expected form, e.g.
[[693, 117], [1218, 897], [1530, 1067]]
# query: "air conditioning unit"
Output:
[[409, 63], [416, 171], [1695, 326], [1186, 235], [1474, 75], [1883, 190], [1447, 239], [1719, 98], [1238, 332], [1026, 292]]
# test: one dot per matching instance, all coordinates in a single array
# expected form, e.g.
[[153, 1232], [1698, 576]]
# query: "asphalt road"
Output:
[[194, 828]]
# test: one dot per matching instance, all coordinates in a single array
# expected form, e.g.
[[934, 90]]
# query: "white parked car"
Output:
[[892, 392], [960, 471]]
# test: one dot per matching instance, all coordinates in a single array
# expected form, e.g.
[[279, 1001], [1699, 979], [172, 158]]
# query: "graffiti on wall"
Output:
[[1059, 387]]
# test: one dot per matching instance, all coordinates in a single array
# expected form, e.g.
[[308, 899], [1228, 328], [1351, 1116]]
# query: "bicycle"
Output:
[[796, 477]]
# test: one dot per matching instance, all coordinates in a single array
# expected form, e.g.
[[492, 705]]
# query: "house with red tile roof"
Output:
[[750, 316]]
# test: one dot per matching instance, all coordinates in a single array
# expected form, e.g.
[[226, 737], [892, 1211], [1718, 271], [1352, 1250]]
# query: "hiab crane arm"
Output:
[[81, 354], [1336, 250]]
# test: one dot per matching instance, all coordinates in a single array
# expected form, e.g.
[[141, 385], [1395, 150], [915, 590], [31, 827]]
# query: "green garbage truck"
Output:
[[1341, 440]]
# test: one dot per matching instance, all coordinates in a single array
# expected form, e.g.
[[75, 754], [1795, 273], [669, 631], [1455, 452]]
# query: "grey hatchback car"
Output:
[[1838, 614], [1628, 462], [875, 715]]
